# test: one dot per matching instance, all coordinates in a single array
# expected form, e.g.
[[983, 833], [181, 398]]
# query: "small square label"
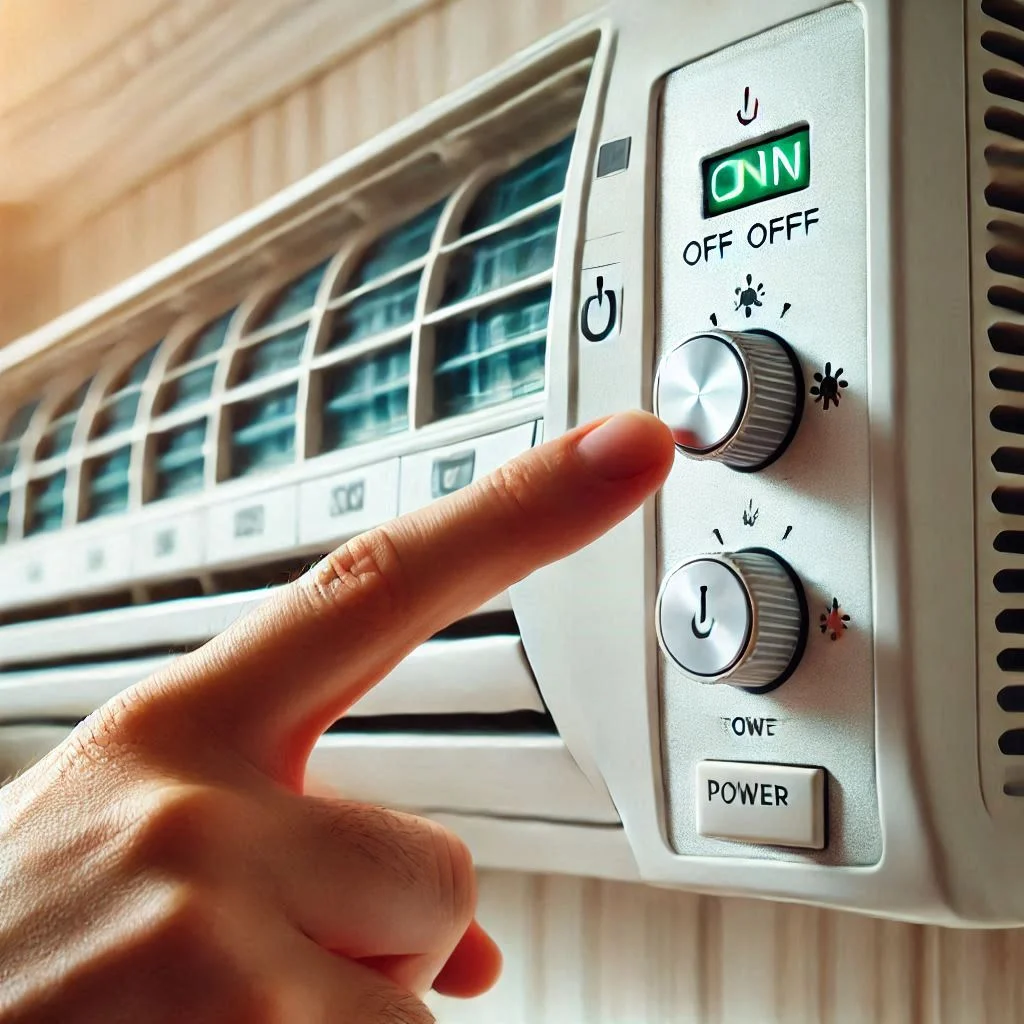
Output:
[[613, 157]]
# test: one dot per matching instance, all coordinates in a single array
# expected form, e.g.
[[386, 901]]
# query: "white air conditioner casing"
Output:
[[557, 729]]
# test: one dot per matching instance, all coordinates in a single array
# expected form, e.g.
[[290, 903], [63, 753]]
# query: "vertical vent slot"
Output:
[[1003, 152], [263, 431], [10, 442], [503, 258], [405, 244], [1010, 542], [268, 356], [179, 460], [374, 312], [46, 504], [191, 379], [491, 350], [107, 484], [364, 399], [295, 298], [57, 439], [5, 513], [492, 355], [117, 412], [10, 447], [1009, 12]]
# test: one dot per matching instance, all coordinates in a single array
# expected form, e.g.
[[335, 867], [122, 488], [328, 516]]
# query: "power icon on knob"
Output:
[[738, 618], [700, 631], [599, 309]]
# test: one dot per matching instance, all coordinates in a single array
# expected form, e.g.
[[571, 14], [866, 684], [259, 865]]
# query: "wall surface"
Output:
[[588, 952], [76, 217], [184, 133]]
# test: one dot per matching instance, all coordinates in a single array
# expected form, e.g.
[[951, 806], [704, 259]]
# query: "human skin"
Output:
[[167, 864]]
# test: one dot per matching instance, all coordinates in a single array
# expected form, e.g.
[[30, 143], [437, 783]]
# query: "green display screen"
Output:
[[770, 168]]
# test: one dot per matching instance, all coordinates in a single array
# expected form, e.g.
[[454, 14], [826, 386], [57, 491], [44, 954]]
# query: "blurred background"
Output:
[[129, 128]]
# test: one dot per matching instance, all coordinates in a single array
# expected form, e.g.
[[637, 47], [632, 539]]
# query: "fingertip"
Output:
[[627, 445], [473, 968]]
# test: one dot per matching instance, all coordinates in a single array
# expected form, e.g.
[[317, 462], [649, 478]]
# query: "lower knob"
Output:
[[739, 618]]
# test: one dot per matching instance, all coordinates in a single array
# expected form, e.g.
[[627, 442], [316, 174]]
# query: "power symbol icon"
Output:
[[700, 631], [600, 313]]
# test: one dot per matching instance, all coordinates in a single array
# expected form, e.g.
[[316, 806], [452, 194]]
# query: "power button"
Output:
[[706, 617], [600, 314], [738, 618]]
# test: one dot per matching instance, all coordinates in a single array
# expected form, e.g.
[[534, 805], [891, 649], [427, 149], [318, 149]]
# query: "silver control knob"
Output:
[[728, 396], [739, 618]]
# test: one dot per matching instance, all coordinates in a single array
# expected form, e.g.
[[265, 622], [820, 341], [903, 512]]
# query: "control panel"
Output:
[[763, 527]]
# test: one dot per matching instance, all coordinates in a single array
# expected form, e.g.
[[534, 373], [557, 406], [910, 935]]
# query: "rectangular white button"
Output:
[[98, 559], [168, 545], [430, 475], [339, 506], [770, 804], [38, 569], [252, 526]]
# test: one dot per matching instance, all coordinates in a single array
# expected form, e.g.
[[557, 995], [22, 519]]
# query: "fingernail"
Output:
[[624, 446]]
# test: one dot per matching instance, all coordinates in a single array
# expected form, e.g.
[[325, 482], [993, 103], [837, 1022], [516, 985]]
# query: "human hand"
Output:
[[165, 864]]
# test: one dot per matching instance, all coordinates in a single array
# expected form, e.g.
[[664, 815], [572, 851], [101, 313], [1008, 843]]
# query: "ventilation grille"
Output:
[[434, 312], [996, 111]]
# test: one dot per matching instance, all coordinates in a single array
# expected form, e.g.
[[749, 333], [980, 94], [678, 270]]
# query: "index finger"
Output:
[[273, 682]]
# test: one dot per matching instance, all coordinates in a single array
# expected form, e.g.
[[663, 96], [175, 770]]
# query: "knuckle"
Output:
[[181, 829], [367, 568], [412, 853]]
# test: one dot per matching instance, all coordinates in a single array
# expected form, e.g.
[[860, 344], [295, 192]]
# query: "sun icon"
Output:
[[829, 387], [749, 296]]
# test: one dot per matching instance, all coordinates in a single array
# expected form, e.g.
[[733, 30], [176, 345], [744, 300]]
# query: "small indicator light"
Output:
[[834, 620]]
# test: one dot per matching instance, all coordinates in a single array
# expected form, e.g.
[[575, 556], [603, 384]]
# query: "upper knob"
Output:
[[730, 396]]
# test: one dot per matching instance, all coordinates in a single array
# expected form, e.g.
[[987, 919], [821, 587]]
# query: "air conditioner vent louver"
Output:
[[996, 134], [305, 373], [394, 324]]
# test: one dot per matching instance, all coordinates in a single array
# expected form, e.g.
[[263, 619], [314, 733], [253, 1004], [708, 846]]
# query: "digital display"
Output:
[[752, 174]]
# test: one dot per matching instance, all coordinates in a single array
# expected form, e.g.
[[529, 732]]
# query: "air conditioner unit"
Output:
[[792, 230]]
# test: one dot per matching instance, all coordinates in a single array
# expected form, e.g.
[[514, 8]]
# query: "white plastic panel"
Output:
[[100, 559], [344, 504], [191, 620], [508, 776], [68, 694], [427, 476], [812, 506], [548, 847], [35, 571], [167, 624], [480, 675], [252, 526]]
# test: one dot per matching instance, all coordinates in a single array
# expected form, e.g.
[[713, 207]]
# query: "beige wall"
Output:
[[67, 248], [587, 952]]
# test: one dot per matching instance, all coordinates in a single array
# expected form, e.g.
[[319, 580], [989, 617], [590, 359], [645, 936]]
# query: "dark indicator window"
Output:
[[772, 167]]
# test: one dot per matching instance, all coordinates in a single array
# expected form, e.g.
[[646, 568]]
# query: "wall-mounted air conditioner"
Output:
[[792, 229]]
